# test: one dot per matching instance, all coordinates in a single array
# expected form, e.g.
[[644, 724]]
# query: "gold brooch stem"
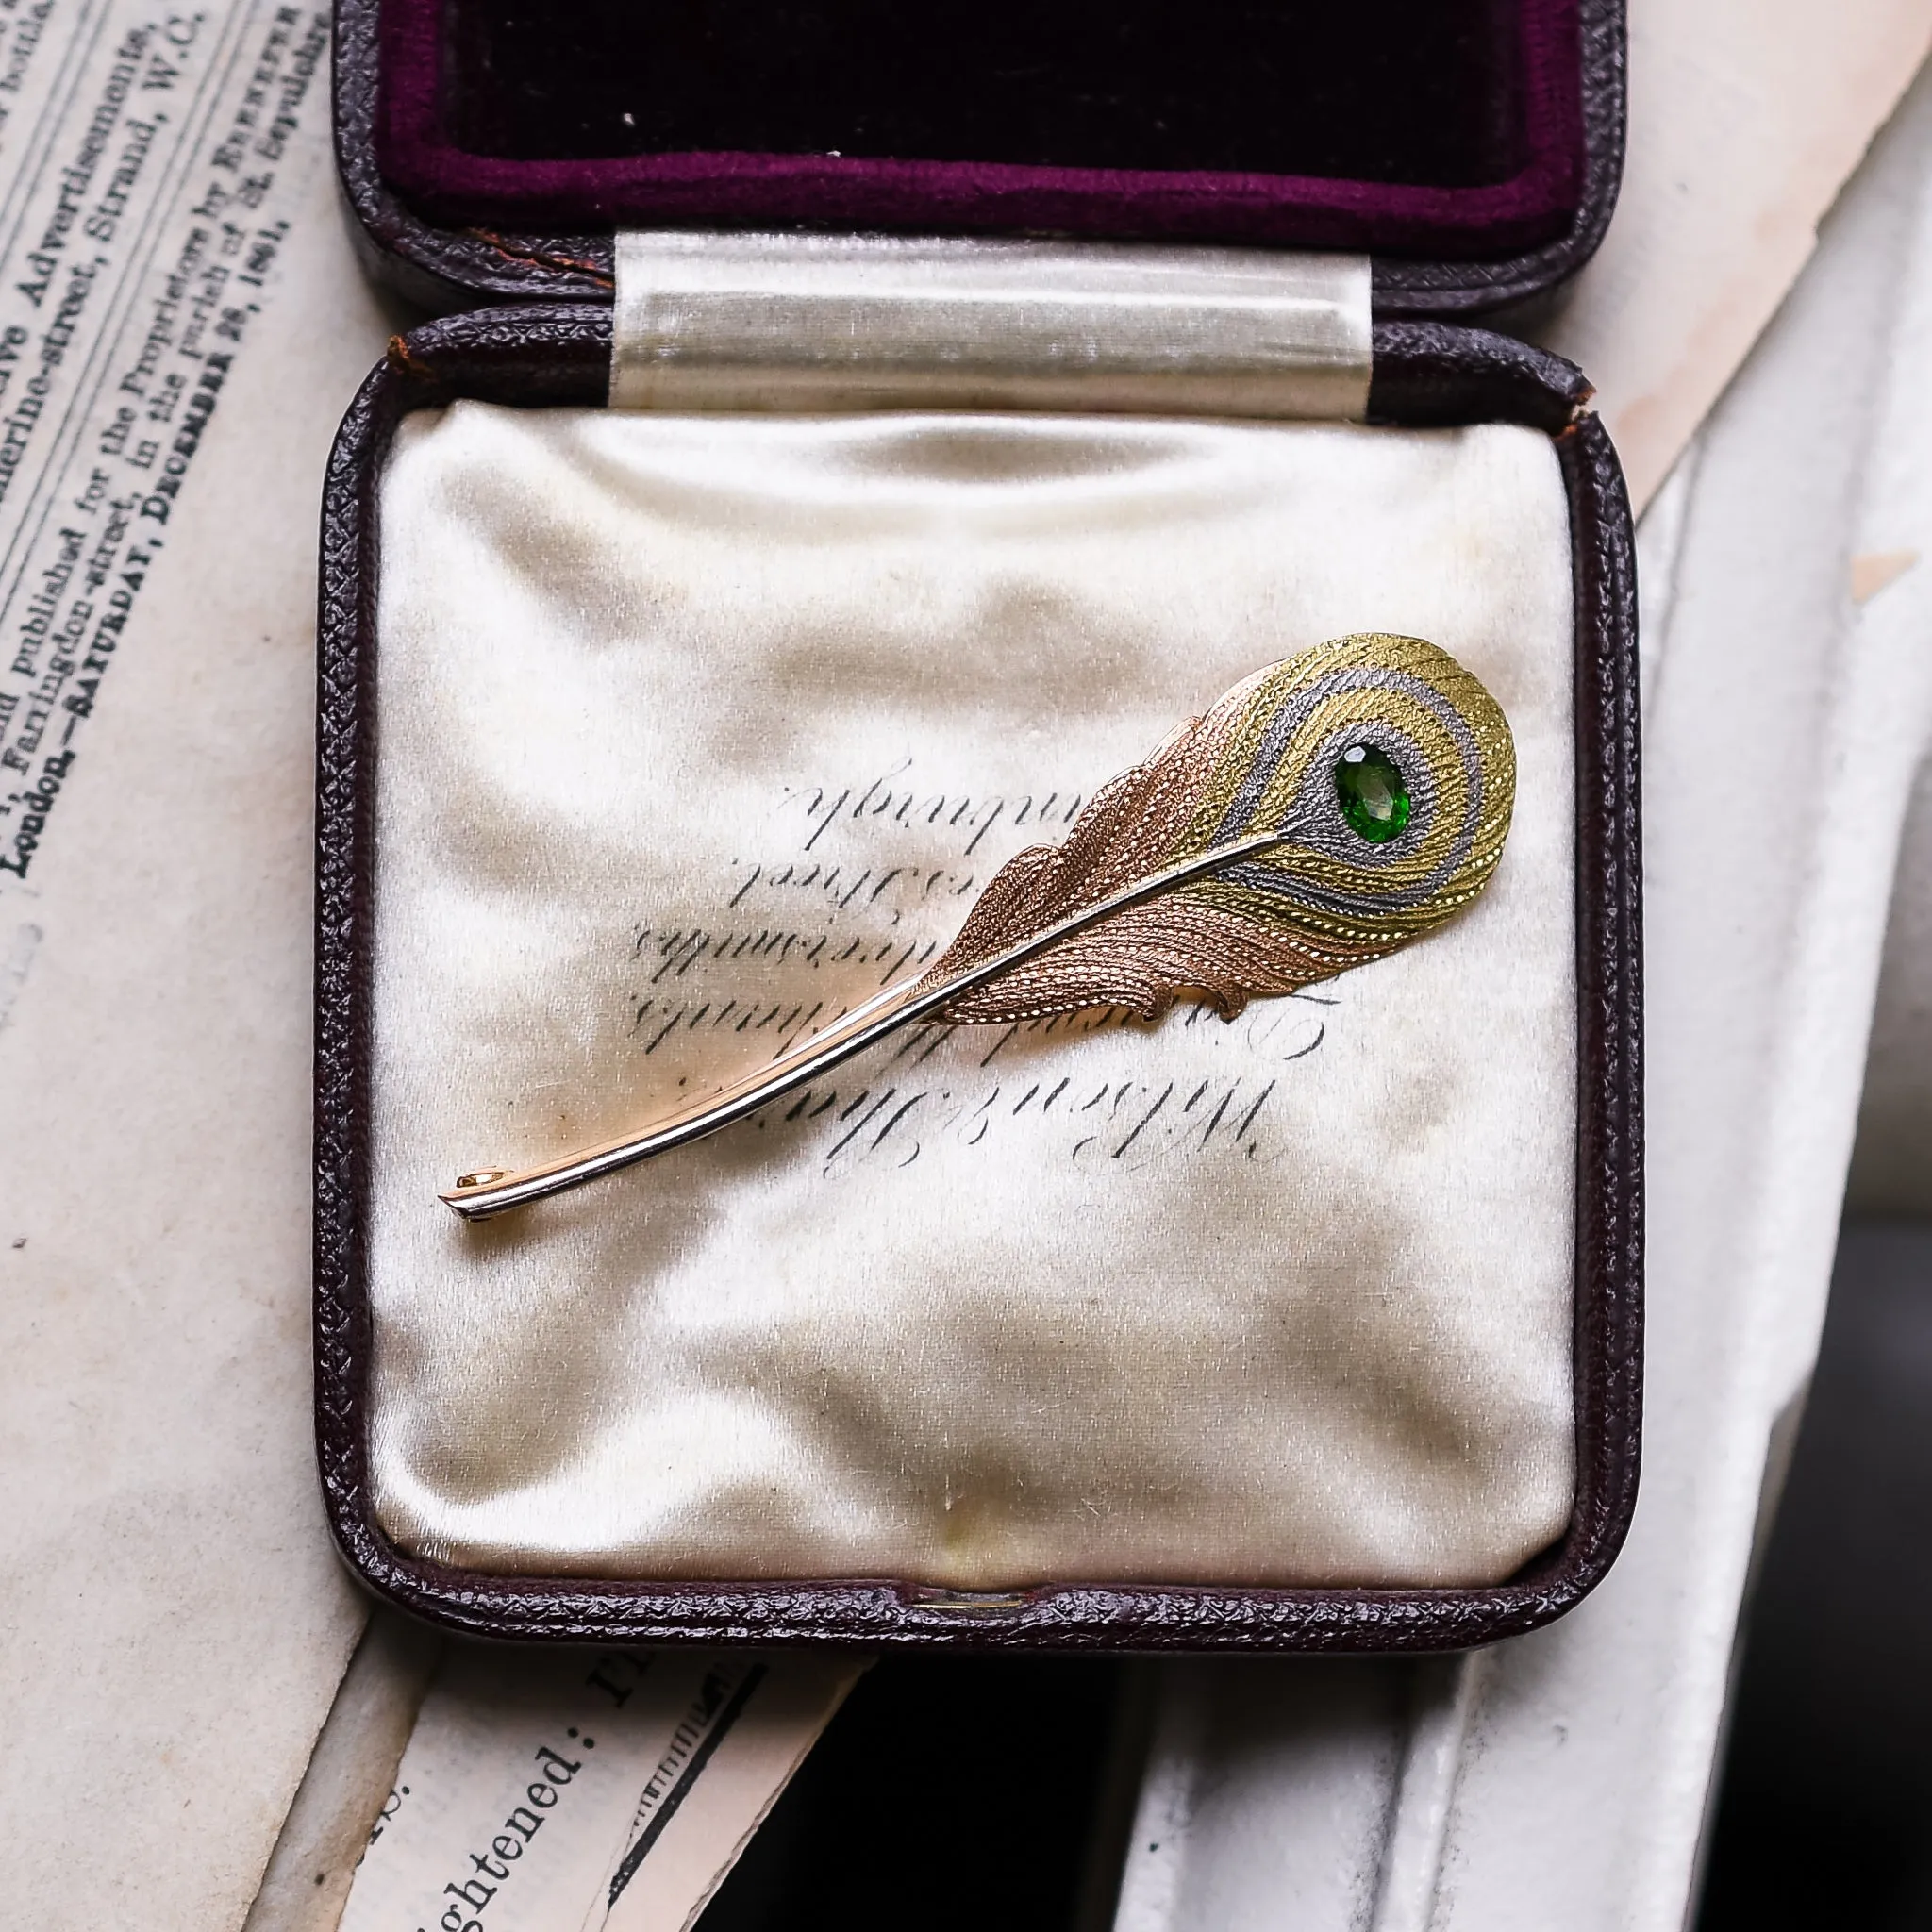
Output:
[[492, 1192]]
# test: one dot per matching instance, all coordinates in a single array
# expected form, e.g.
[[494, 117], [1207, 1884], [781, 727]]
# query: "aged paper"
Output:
[[174, 1620], [551, 1790], [1746, 118], [351, 1777], [705, 1797], [155, 171]]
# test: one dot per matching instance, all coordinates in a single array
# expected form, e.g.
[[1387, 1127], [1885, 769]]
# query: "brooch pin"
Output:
[[1328, 810]]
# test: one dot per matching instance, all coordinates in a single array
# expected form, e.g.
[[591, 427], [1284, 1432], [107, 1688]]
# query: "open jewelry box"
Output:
[[883, 429]]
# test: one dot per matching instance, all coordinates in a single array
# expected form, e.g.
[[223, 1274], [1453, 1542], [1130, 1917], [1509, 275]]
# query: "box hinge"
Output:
[[807, 322]]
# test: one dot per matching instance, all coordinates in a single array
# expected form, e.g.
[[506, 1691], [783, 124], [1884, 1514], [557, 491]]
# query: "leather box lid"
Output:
[[491, 148]]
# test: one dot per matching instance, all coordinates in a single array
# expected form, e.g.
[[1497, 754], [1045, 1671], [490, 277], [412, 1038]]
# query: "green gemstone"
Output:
[[1374, 798]]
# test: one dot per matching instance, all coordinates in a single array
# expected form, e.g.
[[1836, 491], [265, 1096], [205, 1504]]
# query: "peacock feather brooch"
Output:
[[1329, 810]]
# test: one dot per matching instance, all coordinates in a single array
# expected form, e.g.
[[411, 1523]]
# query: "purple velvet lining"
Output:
[[749, 189]]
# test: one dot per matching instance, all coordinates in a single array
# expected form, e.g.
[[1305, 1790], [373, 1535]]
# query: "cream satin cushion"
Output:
[[694, 730]]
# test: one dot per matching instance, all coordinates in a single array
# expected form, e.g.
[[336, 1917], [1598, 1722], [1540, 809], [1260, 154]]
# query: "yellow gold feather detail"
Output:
[[1272, 755]]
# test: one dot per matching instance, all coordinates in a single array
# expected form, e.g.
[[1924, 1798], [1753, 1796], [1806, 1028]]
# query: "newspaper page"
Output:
[[182, 323], [145, 204], [612, 1791]]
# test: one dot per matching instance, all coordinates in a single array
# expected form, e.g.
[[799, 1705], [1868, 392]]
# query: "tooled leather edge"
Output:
[[1428, 375], [445, 269], [1609, 996], [561, 355], [1404, 290], [442, 269], [553, 356]]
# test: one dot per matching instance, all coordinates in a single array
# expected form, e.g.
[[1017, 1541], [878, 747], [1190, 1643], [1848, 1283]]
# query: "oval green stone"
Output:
[[1373, 794]]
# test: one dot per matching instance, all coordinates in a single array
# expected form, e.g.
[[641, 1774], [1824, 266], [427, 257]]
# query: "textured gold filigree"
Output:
[[1263, 759]]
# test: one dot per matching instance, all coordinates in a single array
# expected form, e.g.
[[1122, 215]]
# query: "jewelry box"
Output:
[[849, 440]]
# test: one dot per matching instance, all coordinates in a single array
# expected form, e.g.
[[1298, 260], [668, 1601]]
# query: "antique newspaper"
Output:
[[181, 326], [148, 199], [608, 1791]]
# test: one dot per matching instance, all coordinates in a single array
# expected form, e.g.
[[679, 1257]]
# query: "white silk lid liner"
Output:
[[686, 724], [800, 321]]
